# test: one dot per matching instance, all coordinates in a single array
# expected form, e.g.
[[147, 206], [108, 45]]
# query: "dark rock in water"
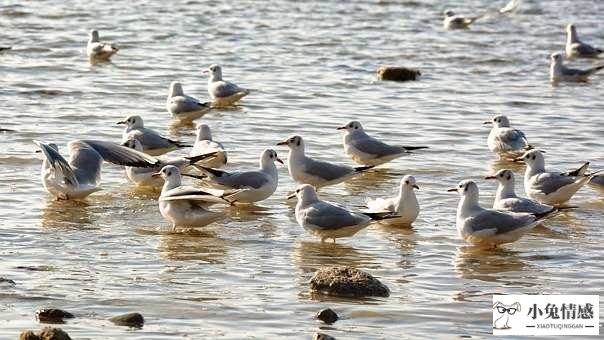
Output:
[[52, 315], [322, 336], [7, 281], [131, 320], [347, 282], [47, 333], [327, 315], [397, 73]]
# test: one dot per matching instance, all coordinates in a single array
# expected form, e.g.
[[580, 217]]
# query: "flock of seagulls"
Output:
[[142, 153]]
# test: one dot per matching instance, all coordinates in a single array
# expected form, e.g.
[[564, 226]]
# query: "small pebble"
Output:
[[397, 73], [327, 315], [135, 320], [53, 315]]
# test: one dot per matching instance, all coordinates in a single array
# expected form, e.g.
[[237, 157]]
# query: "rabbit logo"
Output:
[[501, 319]]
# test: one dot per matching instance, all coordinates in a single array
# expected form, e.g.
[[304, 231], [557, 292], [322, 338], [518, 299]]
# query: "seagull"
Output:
[[81, 176], [153, 143], [183, 107], [404, 205], [306, 170], [97, 50], [246, 186], [222, 92], [185, 206], [551, 188], [558, 72], [488, 227], [144, 176], [452, 21], [506, 199], [204, 144], [367, 150], [575, 48], [326, 220], [505, 140], [597, 182], [510, 6]]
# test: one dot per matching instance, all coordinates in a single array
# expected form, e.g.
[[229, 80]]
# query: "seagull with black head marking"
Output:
[[204, 144], [183, 107], [505, 140], [404, 205], [153, 143], [367, 150], [506, 199], [223, 93], [575, 48], [81, 175], [305, 170], [488, 227], [551, 188], [558, 72], [97, 50], [453, 21], [185, 206]]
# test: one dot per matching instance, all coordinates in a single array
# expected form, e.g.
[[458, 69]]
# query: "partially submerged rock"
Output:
[[47, 333], [327, 315], [53, 315], [322, 336], [130, 320], [347, 282], [397, 73]]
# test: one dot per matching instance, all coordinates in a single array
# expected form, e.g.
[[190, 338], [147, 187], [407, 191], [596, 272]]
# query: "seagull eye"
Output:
[[169, 173], [406, 182], [461, 186]]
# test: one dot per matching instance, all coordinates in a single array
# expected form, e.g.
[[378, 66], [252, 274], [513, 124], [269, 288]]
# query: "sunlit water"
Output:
[[311, 68]]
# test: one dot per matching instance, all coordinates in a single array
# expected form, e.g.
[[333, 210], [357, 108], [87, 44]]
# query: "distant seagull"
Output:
[[487, 227], [97, 50], [575, 48], [404, 204], [506, 199], [183, 107], [367, 150], [597, 182], [222, 92], [205, 144], [326, 220], [81, 176], [505, 140], [153, 143], [247, 186], [511, 6], [551, 188], [144, 176], [5, 48], [185, 206], [452, 21], [558, 72], [305, 170]]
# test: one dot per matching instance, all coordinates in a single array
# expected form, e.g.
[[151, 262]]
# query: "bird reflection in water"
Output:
[[311, 256], [193, 245], [68, 214]]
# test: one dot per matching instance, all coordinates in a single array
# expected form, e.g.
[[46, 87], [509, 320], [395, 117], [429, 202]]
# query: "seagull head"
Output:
[[269, 157], [294, 143], [503, 176], [408, 183], [170, 174], [215, 72], [305, 193], [203, 132], [351, 127], [175, 89], [499, 121], [556, 58], [466, 188], [134, 122], [93, 35], [134, 144], [533, 159], [571, 28], [449, 13]]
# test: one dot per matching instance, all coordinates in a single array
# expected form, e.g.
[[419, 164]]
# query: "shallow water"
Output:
[[311, 68]]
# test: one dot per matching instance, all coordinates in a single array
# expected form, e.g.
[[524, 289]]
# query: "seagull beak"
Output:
[[291, 196], [123, 122], [279, 160], [487, 123], [206, 71], [157, 174], [452, 190], [282, 143], [490, 177], [416, 186], [341, 128]]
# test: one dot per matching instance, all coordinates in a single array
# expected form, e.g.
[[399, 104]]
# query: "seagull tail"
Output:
[[410, 148], [595, 69], [363, 168], [579, 172], [195, 159], [379, 216], [546, 214]]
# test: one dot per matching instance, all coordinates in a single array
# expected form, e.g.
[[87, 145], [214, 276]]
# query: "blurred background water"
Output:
[[311, 67]]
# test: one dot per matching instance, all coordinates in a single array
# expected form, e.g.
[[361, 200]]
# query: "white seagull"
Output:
[[551, 188], [505, 140], [183, 107], [488, 227], [575, 48], [204, 144], [185, 206], [305, 170], [97, 50], [81, 176], [453, 21], [326, 220], [506, 199], [144, 176], [404, 205], [246, 186], [558, 72], [222, 92], [153, 143], [367, 150]]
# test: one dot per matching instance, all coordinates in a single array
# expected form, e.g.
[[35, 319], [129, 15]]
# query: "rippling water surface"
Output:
[[312, 68]]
